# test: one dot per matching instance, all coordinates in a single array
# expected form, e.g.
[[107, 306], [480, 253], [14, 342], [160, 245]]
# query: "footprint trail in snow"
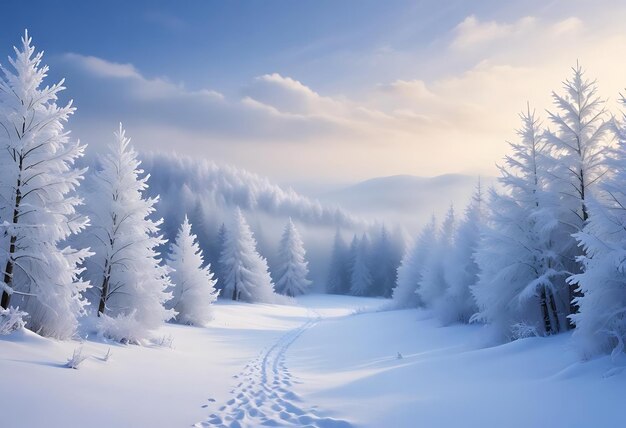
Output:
[[263, 395]]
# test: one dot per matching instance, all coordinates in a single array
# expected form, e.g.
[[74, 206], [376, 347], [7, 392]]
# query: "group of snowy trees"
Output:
[[438, 268], [546, 252], [368, 266], [71, 249]]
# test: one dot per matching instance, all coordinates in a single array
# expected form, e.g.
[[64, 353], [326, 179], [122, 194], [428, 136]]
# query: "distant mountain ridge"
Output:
[[407, 199]]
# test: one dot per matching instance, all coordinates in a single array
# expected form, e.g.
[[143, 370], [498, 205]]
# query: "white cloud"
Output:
[[471, 32], [568, 25], [279, 126]]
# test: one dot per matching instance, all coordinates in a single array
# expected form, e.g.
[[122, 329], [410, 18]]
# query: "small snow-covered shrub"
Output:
[[165, 342], [522, 330], [77, 358], [123, 328], [11, 319]]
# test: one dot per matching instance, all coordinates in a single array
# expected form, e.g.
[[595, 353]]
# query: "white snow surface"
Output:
[[328, 361]]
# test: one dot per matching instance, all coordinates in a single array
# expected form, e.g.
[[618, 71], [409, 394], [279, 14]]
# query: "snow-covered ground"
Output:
[[331, 361]]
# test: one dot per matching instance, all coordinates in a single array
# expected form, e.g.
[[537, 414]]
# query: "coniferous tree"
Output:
[[579, 146], [246, 275], [221, 241], [291, 279], [433, 283], [361, 277], [406, 294], [38, 199], [193, 286], [462, 271], [522, 277], [601, 322], [338, 281], [384, 262], [126, 272]]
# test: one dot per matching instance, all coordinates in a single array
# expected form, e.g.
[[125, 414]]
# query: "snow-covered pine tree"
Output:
[[601, 322], [433, 284], [221, 242], [246, 275], [522, 278], [458, 304], [193, 286], [129, 281], [405, 295], [338, 281], [383, 263], [38, 199], [361, 277], [579, 146], [291, 279]]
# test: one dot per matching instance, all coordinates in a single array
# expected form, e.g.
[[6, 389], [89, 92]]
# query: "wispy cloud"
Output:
[[282, 127]]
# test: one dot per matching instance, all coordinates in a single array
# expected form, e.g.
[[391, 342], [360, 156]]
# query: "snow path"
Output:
[[263, 396]]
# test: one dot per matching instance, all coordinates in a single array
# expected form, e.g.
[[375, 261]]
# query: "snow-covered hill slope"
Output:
[[315, 364]]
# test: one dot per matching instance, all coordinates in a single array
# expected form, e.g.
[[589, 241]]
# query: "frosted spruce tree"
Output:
[[521, 287], [128, 279], [361, 278], [579, 146], [601, 322], [221, 241], [38, 199], [291, 278], [193, 286], [405, 295], [462, 271], [338, 281], [433, 283], [385, 258], [246, 275]]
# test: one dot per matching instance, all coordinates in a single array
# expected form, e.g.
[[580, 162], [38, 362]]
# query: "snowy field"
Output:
[[330, 361]]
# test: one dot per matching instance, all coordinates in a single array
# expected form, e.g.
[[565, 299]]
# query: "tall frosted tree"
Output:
[[433, 283], [38, 199], [193, 286], [292, 272], [126, 271], [338, 281], [405, 295], [246, 275], [361, 278], [385, 258], [521, 283], [462, 271], [221, 241], [601, 322], [579, 145]]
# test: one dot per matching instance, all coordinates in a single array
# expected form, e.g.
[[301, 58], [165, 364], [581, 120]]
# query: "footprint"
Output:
[[293, 409], [285, 416], [292, 396]]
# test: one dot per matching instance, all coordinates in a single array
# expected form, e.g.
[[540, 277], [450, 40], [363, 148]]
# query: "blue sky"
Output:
[[222, 43], [318, 90]]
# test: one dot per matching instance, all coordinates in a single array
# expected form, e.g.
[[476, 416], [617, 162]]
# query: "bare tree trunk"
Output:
[[105, 289], [235, 293], [574, 291], [547, 324], [557, 323], [8, 269]]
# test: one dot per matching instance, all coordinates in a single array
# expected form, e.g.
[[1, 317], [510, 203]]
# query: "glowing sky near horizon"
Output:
[[320, 91]]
